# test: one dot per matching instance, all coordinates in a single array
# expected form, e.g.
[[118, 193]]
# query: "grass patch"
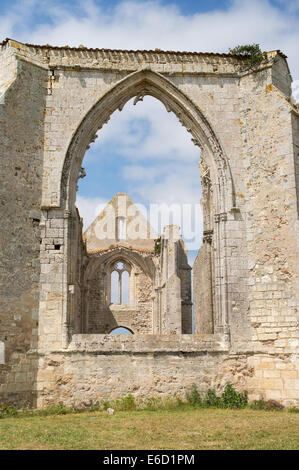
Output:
[[179, 428], [201, 421]]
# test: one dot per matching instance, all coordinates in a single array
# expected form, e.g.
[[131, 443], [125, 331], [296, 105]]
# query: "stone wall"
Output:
[[97, 367], [102, 315], [102, 232], [184, 272], [295, 124], [271, 225], [22, 107], [202, 289]]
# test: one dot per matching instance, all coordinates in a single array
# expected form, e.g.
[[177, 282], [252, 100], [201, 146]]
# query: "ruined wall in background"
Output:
[[202, 292], [184, 272], [102, 314]]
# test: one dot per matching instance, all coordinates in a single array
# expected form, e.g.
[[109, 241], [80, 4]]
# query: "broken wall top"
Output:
[[103, 231], [131, 60]]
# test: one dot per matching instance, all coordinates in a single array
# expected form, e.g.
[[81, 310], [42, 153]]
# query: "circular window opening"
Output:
[[119, 265]]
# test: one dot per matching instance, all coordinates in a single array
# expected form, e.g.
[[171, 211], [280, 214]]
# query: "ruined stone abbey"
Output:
[[63, 292]]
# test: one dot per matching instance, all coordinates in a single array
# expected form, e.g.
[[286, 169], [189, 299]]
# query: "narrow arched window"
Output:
[[114, 287], [120, 229], [125, 287], [120, 284]]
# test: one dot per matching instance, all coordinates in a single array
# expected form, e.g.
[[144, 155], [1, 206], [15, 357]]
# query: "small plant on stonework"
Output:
[[211, 399], [8, 410], [251, 53], [230, 398], [193, 396], [158, 245], [106, 404], [172, 402], [161, 403], [126, 403], [27, 410], [59, 409], [95, 407], [266, 405], [151, 404], [179, 401]]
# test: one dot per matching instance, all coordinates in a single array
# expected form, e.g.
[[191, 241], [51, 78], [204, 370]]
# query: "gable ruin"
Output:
[[53, 102], [158, 297]]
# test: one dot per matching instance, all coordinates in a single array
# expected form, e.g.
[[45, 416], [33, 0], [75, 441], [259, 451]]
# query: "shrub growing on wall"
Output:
[[251, 53]]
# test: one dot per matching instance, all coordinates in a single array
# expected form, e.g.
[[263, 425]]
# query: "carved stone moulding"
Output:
[[222, 217], [207, 236]]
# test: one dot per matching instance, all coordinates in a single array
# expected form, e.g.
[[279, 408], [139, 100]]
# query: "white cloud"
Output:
[[149, 24], [167, 182], [178, 187], [89, 208], [296, 90], [160, 162], [147, 130]]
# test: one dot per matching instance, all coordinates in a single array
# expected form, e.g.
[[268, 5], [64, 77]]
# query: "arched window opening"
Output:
[[114, 287], [120, 284], [176, 193], [125, 287], [121, 331]]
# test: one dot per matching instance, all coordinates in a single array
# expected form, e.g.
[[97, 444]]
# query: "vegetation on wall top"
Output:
[[251, 53]]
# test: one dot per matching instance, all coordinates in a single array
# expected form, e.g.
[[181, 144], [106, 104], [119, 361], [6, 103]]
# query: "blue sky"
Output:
[[144, 150]]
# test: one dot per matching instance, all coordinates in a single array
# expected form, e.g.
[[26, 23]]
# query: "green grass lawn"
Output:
[[184, 429]]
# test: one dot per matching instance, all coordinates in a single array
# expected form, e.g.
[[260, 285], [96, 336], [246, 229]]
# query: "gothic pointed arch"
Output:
[[139, 84]]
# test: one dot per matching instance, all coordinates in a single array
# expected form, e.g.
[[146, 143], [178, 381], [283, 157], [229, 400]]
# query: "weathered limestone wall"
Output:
[[8, 71], [170, 281], [215, 93], [22, 106], [102, 316], [168, 273], [97, 367], [184, 272], [76, 255], [295, 124], [102, 233], [271, 222], [143, 321], [99, 318], [202, 288]]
